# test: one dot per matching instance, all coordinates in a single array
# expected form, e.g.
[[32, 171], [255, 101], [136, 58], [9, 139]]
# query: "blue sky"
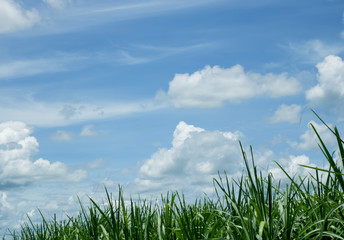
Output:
[[155, 95]]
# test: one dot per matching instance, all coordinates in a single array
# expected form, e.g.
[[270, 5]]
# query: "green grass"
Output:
[[251, 207]]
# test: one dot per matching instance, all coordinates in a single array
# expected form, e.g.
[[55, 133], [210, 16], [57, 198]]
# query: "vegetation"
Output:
[[252, 207]]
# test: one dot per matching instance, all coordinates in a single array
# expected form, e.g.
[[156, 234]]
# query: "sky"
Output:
[[156, 95]]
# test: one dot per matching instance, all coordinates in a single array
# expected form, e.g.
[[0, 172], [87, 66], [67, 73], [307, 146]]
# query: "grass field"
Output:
[[251, 207]]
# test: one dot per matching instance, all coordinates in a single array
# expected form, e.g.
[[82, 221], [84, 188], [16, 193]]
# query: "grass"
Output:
[[252, 207]]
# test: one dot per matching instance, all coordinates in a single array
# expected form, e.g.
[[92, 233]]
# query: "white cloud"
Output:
[[77, 16], [153, 53], [108, 183], [88, 131], [17, 148], [59, 4], [16, 205], [27, 68], [194, 151], [62, 136], [98, 163], [330, 87], [193, 160], [14, 18], [197, 155], [182, 132], [31, 67], [292, 167], [212, 86], [39, 113], [314, 51], [310, 141], [287, 113], [3, 201], [125, 58], [5, 209]]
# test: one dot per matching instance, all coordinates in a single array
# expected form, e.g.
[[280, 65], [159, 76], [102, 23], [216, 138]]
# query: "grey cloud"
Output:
[[68, 111], [10, 146]]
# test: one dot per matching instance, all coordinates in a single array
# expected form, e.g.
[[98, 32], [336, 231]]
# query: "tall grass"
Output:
[[255, 206]]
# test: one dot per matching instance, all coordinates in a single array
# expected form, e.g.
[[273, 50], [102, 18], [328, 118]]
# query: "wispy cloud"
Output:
[[13, 17], [63, 62], [62, 136], [90, 131], [147, 7], [59, 4], [314, 51], [124, 58], [31, 67], [98, 163], [74, 16], [40, 113], [150, 53]]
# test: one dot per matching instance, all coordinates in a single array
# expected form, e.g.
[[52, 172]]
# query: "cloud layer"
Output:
[[212, 86]]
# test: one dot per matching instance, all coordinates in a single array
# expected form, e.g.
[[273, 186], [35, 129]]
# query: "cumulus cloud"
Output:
[[292, 166], [309, 140], [14, 18], [16, 165], [287, 113], [330, 87], [62, 136], [212, 86], [197, 155], [194, 151], [194, 159]]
